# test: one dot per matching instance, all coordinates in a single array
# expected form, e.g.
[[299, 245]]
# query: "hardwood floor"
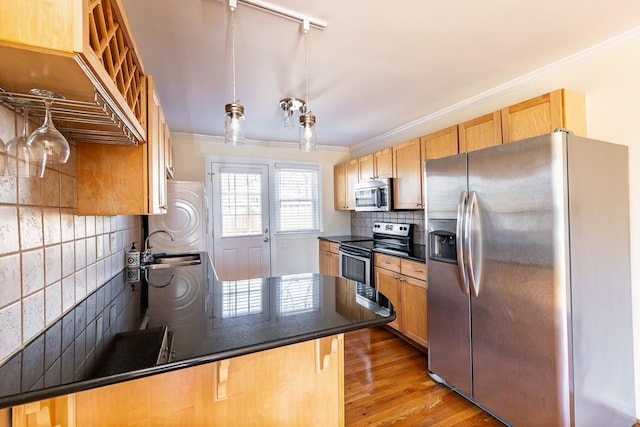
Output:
[[386, 383]]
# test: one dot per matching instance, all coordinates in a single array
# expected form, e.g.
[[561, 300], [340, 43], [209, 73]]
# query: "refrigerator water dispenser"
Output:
[[442, 240]]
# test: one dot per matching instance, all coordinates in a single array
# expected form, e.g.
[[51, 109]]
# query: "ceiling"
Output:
[[378, 66]]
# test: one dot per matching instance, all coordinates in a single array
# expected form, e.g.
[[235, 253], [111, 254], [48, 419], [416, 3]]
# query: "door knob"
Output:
[[266, 239], [266, 230]]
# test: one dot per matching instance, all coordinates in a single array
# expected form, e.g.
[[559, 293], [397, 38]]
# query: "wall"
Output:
[[190, 152], [50, 259]]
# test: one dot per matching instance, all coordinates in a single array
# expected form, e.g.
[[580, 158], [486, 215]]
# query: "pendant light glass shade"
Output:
[[307, 132], [234, 123], [307, 119], [234, 112]]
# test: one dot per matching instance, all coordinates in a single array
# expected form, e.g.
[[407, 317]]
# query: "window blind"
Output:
[[297, 198]]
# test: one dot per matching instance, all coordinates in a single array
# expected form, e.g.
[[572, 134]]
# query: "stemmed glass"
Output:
[[56, 146], [35, 155]]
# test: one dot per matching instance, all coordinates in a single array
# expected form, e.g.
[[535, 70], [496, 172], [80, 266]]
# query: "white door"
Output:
[[240, 203]]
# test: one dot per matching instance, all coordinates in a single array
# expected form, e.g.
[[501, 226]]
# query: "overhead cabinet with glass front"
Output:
[[83, 50]]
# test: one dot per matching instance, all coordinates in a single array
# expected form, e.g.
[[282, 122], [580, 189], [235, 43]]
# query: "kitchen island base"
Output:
[[300, 384]]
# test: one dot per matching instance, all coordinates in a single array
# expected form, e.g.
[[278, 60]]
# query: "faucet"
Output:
[[146, 255]]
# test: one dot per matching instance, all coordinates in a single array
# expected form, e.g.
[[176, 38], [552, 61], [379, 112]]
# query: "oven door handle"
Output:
[[356, 253]]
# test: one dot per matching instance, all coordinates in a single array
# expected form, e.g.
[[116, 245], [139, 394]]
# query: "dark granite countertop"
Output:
[[208, 319], [417, 253], [345, 238]]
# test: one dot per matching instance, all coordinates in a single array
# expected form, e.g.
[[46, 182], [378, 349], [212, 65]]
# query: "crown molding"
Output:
[[566, 62], [213, 139]]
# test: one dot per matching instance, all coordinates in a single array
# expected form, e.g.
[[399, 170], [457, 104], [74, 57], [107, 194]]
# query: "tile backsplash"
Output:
[[50, 258], [362, 222]]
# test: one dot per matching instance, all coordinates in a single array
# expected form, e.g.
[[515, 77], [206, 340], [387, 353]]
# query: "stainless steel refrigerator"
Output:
[[529, 295]]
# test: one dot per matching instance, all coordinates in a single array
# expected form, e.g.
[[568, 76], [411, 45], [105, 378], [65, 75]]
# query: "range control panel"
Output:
[[392, 229]]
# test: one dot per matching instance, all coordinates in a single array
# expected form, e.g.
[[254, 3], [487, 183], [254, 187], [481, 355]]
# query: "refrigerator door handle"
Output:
[[474, 276], [461, 242]]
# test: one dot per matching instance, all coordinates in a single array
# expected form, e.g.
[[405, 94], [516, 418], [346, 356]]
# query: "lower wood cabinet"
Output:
[[328, 258], [300, 384], [404, 283], [346, 303]]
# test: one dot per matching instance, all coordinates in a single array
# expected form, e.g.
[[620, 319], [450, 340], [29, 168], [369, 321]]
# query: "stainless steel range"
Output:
[[356, 258]]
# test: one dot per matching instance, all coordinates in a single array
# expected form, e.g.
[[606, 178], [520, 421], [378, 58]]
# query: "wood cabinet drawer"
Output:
[[413, 269], [325, 245], [328, 246], [387, 261]]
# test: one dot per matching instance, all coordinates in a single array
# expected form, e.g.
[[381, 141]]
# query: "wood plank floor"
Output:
[[386, 383]]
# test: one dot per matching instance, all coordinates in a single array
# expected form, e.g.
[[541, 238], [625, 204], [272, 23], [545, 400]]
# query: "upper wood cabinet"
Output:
[[407, 175], [126, 180], [83, 50], [543, 114], [345, 176], [440, 144], [481, 132], [157, 148], [537, 116], [376, 165]]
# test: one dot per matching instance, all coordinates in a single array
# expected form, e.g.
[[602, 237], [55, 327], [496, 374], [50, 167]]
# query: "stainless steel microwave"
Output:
[[374, 195]]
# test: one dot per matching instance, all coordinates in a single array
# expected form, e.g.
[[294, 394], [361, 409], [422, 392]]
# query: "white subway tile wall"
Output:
[[50, 258]]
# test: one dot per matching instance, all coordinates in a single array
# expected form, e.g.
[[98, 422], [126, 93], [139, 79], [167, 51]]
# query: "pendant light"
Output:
[[234, 112], [307, 119], [290, 106]]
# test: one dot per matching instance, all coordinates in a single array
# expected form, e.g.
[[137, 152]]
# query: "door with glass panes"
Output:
[[240, 203]]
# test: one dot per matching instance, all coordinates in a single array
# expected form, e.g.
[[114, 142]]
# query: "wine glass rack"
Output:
[[80, 121]]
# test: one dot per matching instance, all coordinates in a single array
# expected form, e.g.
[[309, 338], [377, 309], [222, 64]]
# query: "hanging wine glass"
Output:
[[31, 160], [56, 146]]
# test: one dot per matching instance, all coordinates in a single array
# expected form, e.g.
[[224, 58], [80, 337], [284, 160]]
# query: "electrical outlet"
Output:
[[284, 245]]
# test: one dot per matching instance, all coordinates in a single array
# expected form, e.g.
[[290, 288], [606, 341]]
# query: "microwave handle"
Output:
[[378, 197]]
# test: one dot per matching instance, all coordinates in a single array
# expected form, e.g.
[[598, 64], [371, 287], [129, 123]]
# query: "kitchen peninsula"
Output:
[[269, 350]]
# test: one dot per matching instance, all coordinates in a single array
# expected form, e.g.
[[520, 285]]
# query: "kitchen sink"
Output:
[[171, 260]]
